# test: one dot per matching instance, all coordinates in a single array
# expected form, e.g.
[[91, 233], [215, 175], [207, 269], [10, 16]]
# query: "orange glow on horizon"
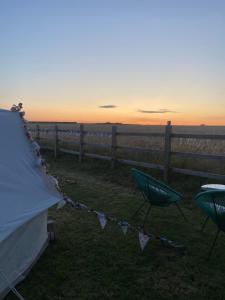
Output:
[[56, 116]]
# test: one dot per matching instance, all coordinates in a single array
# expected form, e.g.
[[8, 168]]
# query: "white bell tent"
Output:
[[26, 193]]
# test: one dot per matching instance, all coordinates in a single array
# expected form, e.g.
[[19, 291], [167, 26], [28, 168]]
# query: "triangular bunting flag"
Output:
[[102, 219], [39, 161], [35, 146], [69, 201], [61, 204], [124, 226], [54, 181], [168, 243], [143, 239]]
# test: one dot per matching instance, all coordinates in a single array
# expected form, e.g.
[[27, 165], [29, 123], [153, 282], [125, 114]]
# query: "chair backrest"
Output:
[[156, 192], [213, 204]]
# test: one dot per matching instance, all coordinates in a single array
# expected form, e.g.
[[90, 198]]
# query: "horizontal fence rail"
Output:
[[144, 134], [168, 136]]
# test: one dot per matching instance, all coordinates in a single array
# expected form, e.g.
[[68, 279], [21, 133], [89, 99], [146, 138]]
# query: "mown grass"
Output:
[[87, 263]]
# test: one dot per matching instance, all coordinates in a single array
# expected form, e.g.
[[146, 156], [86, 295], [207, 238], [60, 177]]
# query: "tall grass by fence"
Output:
[[117, 152]]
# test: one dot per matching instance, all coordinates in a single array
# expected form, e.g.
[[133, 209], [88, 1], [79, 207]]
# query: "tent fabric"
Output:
[[20, 250], [24, 191]]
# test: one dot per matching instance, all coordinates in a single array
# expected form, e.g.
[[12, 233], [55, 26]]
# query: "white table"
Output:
[[218, 187]]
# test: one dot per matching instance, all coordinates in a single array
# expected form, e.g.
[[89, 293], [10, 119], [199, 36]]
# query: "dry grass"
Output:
[[94, 136]]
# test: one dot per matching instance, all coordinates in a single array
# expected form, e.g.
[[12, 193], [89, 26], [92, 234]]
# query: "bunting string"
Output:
[[143, 236]]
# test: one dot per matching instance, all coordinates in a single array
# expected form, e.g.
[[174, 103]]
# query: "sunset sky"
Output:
[[128, 61]]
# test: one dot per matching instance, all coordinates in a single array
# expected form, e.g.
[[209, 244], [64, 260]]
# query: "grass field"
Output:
[[87, 263]]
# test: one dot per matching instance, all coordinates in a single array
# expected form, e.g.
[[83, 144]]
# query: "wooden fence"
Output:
[[167, 153]]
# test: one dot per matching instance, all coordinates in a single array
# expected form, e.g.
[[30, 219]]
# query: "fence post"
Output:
[[167, 150], [113, 147], [37, 133], [56, 142], [81, 155]]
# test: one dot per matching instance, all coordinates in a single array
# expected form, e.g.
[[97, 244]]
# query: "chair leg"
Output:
[[204, 224], [146, 216], [137, 211], [181, 212], [213, 244]]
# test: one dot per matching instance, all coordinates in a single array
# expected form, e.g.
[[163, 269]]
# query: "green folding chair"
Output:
[[213, 205], [155, 193]]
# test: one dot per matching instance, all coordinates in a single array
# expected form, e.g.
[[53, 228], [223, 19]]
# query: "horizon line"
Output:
[[119, 123]]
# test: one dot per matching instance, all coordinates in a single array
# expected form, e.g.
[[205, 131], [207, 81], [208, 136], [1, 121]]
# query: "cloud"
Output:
[[107, 106], [158, 111]]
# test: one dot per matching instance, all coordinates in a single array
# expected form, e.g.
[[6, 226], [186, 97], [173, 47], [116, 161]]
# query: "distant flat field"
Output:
[[138, 128], [179, 144]]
